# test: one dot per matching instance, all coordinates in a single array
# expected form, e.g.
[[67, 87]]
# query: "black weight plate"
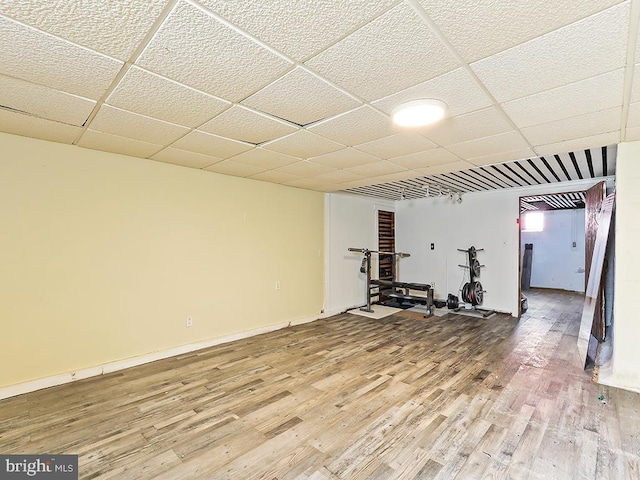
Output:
[[475, 268]]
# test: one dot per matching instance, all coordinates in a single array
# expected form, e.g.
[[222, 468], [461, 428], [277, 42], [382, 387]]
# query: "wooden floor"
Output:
[[350, 397]]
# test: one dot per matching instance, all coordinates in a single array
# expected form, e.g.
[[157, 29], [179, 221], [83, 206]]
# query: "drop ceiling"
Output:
[[299, 93]]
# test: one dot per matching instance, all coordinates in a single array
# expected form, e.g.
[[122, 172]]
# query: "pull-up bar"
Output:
[[366, 251]]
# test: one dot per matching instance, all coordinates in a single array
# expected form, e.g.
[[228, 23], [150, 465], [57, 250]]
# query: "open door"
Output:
[[593, 204]]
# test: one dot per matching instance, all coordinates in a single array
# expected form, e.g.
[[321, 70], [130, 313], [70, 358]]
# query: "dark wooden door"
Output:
[[593, 204], [386, 243]]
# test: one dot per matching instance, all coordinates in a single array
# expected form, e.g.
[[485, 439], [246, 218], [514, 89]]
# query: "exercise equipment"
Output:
[[472, 292], [399, 291]]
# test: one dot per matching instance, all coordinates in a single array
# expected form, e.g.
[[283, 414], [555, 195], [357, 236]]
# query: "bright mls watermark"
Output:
[[49, 467]]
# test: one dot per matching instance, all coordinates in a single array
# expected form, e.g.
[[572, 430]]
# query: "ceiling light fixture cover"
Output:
[[419, 113]]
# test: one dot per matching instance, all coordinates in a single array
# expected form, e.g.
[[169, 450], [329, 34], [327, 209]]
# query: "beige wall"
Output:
[[103, 257], [624, 370]]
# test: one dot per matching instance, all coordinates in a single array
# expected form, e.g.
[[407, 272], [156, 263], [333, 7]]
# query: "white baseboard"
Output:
[[60, 379]]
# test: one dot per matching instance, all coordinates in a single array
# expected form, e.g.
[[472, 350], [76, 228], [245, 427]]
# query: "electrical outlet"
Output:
[[277, 285], [433, 285], [189, 322]]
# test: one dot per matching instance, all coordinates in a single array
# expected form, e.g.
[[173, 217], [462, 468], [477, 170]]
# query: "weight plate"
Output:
[[475, 268], [477, 293]]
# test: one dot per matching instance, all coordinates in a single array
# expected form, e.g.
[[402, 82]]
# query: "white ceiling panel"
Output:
[[212, 145], [481, 123], [457, 89], [310, 184], [46, 60], [499, 156], [479, 28], [132, 125], [504, 142], [337, 176], [245, 125], [274, 177], [425, 159], [581, 50], [229, 167], [396, 145], [634, 116], [445, 168], [358, 126], [117, 144], [395, 51], [30, 126], [261, 157], [301, 97], [114, 27], [155, 96], [185, 158], [304, 169], [344, 158], [44, 102], [579, 143], [317, 23], [596, 123], [197, 50], [304, 144], [586, 96], [376, 169]]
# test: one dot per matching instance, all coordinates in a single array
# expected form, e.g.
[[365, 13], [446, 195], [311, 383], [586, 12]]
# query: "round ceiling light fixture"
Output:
[[418, 113]]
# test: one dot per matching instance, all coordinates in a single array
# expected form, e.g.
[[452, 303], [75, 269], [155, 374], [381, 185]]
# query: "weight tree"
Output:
[[472, 292]]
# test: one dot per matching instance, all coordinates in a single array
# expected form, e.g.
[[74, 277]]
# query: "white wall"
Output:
[[485, 220], [351, 221], [556, 262], [624, 369]]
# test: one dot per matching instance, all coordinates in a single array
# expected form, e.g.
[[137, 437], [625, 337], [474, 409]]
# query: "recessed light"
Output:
[[418, 113]]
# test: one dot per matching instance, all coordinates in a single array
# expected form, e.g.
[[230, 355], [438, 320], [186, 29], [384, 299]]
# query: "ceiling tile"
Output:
[[108, 26], [424, 159], [263, 158], [44, 102], [594, 123], [375, 169], [457, 89], [358, 126], [581, 50], [479, 28], [502, 156], [575, 144], [396, 145], [185, 158], [394, 177], [310, 184], [635, 89], [633, 120], [138, 127], [632, 134], [482, 123], [395, 51], [345, 158], [274, 177], [116, 144], [318, 24], [445, 168], [303, 144], [197, 50], [586, 96], [504, 142], [29, 126], [300, 97], [337, 176], [46, 60], [229, 167], [245, 125], [155, 96], [212, 145], [304, 169]]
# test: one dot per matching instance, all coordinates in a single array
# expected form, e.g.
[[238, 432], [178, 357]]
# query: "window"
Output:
[[533, 222]]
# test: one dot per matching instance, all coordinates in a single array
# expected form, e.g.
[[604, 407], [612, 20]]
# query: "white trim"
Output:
[[68, 377]]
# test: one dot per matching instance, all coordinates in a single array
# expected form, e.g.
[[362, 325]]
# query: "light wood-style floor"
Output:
[[350, 397]]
